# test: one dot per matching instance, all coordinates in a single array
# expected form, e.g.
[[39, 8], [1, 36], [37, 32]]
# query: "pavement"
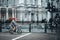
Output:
[[28, 36]]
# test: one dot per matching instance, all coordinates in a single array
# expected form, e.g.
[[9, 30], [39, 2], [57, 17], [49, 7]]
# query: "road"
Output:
[[27, 36]]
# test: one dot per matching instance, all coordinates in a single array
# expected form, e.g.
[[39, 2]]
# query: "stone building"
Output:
[[26, 10]]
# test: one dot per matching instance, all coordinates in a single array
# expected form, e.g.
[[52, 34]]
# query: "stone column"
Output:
[[30, 17], [13, 13], [6, 13]]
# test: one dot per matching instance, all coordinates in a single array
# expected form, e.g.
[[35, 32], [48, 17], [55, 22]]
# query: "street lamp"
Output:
[[51, 8], [7, 3]]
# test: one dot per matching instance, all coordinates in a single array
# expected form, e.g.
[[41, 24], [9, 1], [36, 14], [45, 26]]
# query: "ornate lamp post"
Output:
[[51, 8], [7, 3]]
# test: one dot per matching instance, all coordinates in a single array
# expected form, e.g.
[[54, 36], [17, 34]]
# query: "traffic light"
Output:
[[57, 0], [48, 5], [51, 8]]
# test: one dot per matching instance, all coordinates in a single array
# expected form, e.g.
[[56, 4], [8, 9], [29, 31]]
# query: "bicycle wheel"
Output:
[[19, 31], [11, 31]]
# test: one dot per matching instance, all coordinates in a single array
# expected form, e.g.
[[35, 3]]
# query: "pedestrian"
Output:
[[51, 24], [56, 19], [58, 29]]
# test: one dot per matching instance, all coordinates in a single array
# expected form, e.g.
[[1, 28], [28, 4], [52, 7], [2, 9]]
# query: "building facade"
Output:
[[26, 10], [30, 12], [23, 10]]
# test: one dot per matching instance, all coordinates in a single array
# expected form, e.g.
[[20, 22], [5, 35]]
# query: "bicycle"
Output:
[[18, 30]]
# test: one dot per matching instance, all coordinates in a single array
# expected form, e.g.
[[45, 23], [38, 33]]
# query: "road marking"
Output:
[[21, 36]]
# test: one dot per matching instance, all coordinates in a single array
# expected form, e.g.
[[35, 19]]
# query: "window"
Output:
[[21, 1], [32, 16], [39, 2], [28, 2]]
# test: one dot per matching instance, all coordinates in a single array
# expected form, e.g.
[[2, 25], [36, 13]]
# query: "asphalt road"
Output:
[[31, 36]]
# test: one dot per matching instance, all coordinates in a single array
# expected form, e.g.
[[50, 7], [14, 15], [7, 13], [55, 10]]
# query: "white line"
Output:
[[21, 36]]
